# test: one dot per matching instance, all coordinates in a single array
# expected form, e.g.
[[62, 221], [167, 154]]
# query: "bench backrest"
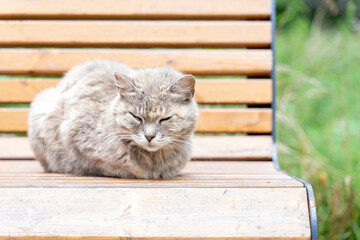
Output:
[[225, 43]]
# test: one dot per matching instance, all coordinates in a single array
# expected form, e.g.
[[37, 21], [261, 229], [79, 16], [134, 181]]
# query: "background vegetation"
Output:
[[318, 109]]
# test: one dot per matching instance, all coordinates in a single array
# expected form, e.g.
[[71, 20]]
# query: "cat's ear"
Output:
[[184, 88], [124, 83]]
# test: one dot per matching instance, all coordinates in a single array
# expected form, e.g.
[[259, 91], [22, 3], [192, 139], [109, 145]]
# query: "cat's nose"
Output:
[[150, 137]]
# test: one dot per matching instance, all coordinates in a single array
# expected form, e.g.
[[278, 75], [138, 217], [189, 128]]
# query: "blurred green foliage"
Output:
[[324, 13], [318, 111]]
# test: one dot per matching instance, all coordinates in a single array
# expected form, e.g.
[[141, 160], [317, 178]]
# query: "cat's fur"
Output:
[[88, 124]]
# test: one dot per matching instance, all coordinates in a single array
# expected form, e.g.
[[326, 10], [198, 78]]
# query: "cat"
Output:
[[107, 119]]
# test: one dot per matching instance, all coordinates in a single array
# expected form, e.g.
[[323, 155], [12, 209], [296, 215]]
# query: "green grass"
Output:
[[318, 121]]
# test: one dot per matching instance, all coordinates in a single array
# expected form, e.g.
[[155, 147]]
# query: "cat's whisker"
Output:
[[170, 147], [181, 148], [180, 136], [180, 141], [186, 150]]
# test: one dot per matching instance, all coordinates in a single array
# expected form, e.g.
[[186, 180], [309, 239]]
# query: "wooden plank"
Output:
[[135, 9], [136, 33], [235, 91], [155, 213], [13, 120], [182, 177], [232, 147], [193, 175], [254, 168], [196, 61], [75, 182], [235, 120], [205, 148], [23, 90], [210, 120]]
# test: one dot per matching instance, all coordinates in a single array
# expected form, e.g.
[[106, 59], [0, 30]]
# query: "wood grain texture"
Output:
[[180, 177], [23, 90], [204, 174], [233, 91], [136, 33], [210, 120], [212, 168], [13, 120], [204, 148], [196, 61], [232, 147], [75, 182], [249, 207], [235, 120], [155, 212], [135, 9]]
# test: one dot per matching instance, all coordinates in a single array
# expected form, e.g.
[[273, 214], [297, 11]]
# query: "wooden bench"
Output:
[[232, 189]]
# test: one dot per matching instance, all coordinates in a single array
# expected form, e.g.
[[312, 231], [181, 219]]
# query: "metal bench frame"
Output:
[[309, 189]]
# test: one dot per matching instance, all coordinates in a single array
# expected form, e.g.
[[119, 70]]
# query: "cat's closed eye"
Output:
[[136, 117], [165, 119]]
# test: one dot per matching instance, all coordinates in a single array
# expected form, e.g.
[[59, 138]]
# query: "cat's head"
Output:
[[156, 108]]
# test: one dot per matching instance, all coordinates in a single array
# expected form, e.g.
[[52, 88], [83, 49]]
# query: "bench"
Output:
[[233, 188]]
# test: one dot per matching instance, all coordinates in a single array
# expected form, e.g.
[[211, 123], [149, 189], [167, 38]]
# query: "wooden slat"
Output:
[[136, 33], [135, 9], [180, 177], [253, 168], [232, 147], [196, 61], [210, 120], [23, 90], [233, 91], [207, 91], [205, 148], [204, 174], [27, 183], [155, 213], [235, 120], [13, 120], [78, 182]]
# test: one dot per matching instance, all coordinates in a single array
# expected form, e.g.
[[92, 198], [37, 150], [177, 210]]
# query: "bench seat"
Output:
[[249, 199], [232, 188]]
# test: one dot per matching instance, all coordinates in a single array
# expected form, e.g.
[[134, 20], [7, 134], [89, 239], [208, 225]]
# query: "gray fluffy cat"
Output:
[[105, 118]]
